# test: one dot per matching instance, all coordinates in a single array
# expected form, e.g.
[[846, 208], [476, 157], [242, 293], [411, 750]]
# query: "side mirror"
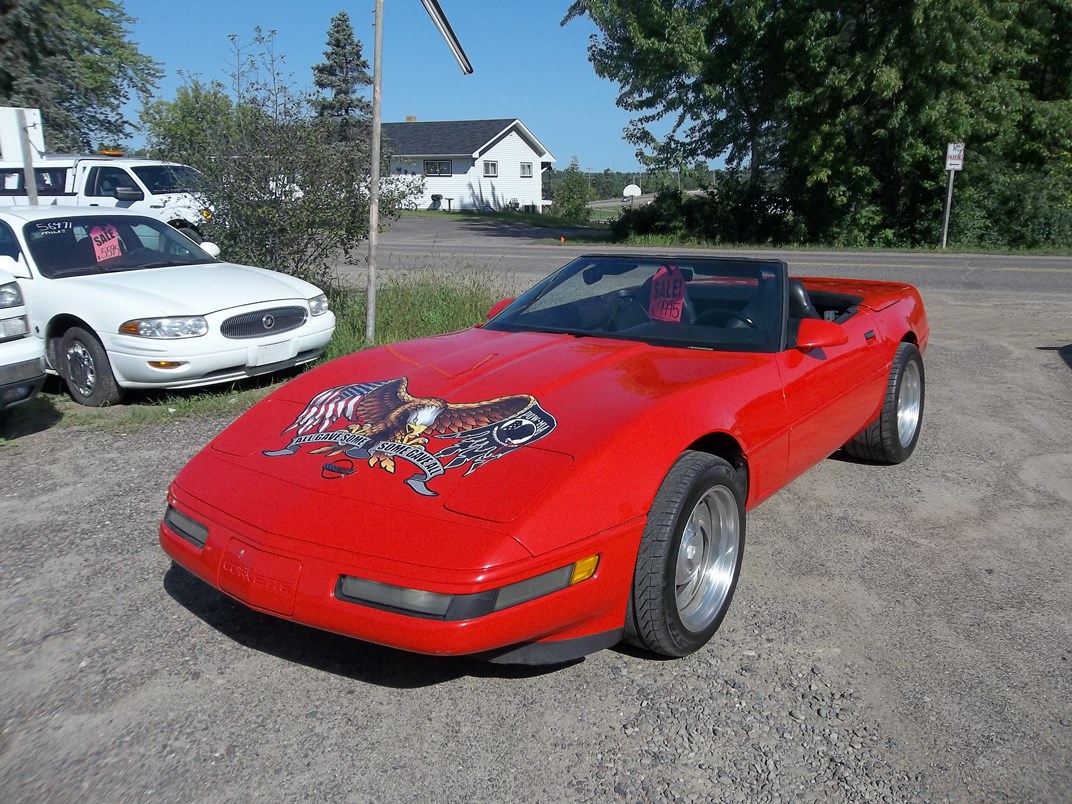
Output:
[[128, 194], [815, 333], [15, 267], [498, 307], [212, 249]]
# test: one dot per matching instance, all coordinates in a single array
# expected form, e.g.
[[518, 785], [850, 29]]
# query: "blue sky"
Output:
[[525, 64]]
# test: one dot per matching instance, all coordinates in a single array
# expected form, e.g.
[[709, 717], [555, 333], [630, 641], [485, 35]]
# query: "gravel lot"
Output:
[[899, 634]]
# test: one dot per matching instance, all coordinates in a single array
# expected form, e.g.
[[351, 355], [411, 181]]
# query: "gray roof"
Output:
[[448, 137]]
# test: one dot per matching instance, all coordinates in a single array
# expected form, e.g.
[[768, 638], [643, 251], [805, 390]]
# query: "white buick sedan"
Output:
[[125, 301]]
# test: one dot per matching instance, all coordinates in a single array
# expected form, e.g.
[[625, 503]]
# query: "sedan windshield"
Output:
[[712, 303], [91, 244]]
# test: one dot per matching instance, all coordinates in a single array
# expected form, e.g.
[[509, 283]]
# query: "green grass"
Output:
[[407, 307], [533, 219]]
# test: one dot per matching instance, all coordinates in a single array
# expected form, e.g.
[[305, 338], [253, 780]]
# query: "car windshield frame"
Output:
[[731, 304], [83, 245]]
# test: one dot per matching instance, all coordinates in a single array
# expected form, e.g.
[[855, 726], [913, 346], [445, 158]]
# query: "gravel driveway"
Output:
[[899, 634]]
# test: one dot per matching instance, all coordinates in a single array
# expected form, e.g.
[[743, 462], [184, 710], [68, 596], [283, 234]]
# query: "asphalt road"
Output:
[[900, 634], [521, 254]]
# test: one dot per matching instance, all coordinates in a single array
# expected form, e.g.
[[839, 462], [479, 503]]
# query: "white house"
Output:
[[471, 164]]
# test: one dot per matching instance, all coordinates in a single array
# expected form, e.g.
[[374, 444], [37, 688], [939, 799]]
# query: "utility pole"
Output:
[[28, 176], [441, 22]]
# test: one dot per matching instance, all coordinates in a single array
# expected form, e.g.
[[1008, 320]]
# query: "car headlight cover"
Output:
[[176, 327], [318, 305], [433, 605], [11, 296]]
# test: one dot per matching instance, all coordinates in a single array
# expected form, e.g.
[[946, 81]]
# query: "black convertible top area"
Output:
[[722, 303]]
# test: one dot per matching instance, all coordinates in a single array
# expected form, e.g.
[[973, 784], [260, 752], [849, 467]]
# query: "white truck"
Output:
[[165, 190]]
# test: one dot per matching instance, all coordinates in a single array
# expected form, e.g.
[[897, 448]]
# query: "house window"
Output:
[[526, 170], [491, 169], [437, 167]]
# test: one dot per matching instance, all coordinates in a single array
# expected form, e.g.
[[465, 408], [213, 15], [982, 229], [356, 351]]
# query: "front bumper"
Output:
[[297, 581], [22, 372], [213, 358]]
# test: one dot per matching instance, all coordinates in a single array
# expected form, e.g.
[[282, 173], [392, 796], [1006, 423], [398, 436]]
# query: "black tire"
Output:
[[892, 437], [680, 596], [191, 233], [84, 366]]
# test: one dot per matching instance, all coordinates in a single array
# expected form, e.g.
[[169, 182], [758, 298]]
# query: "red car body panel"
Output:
[[289, 512]]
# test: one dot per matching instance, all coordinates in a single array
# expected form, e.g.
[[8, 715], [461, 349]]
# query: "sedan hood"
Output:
[[513, 422], [191, 289]]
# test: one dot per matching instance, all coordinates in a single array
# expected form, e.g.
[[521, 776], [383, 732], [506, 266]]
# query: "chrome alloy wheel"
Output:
[[909, 403], [81, 369], [706, 558]]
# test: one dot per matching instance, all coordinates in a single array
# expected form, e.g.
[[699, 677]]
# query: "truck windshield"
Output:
[[161, 179]]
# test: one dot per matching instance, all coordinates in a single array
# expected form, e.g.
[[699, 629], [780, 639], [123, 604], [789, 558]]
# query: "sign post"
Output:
[[954, 161]]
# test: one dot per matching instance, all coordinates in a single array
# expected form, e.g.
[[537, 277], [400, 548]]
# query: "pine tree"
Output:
[[340, 80]]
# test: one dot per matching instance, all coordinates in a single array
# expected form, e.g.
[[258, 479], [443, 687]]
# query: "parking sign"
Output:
[[954, 156]]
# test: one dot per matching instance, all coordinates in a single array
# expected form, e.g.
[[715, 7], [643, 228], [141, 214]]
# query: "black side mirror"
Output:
[[128, 194]]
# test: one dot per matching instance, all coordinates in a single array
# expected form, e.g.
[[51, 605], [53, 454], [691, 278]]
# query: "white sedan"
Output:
[[125, 301]]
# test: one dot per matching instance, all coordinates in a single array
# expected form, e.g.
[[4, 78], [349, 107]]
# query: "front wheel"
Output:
[[689, 558], [84, 366], [892, 437]]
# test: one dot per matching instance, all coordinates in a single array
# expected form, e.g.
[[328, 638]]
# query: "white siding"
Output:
[[468, 188]]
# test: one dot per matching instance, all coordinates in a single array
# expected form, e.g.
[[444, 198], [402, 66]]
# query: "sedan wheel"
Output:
[[689, 559], [84, 366]]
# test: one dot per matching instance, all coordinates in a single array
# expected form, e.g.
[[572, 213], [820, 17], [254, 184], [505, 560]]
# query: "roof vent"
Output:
[[411, 118]]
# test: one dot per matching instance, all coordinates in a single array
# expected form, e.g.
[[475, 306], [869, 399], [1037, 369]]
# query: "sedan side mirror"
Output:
[[212, 249], [815, 333]]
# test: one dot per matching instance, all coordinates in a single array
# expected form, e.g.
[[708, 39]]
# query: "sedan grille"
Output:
[[264, 322]]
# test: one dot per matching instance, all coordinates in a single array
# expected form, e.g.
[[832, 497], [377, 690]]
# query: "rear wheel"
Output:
[[689, 558], [84, 366], [892, 437]]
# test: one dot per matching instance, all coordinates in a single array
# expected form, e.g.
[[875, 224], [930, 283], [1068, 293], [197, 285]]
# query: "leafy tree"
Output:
[[342, 78], [72, 60], [573, 194], [842, 110], [284, 193]]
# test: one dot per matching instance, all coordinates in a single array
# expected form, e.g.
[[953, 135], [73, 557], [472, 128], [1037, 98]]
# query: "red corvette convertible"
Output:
[[571, 473]]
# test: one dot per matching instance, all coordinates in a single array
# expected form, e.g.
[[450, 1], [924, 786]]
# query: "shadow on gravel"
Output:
[[35, 416], [324, 651], [1065, 352]]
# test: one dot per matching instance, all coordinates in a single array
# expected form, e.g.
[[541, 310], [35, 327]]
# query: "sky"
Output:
[[526, 65]]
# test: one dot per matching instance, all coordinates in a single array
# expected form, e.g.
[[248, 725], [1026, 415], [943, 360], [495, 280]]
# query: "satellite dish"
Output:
[[630, 191]]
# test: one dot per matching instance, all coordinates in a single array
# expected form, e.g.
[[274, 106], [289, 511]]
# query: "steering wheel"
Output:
[[725, 312]]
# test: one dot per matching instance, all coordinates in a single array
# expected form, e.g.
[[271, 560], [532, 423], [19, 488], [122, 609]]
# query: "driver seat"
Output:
[[800, 305]]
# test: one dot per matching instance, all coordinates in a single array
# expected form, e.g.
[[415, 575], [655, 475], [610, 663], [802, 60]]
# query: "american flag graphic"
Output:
[[329, 406]]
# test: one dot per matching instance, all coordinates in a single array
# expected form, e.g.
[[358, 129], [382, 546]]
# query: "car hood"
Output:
[[598, 424], [190, 289]]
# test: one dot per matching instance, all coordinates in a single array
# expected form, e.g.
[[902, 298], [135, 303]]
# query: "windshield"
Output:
[[91, 244], [160, 179], [725, 304]]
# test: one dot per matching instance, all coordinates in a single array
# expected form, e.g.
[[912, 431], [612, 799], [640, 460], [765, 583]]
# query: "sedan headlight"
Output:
[[185, 327], [318, 305], [11, 296]]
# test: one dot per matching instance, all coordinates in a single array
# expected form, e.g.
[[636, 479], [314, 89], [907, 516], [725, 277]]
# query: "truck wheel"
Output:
[[191, 233], [84, 366]]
